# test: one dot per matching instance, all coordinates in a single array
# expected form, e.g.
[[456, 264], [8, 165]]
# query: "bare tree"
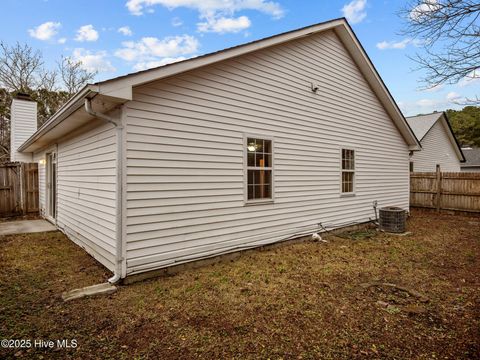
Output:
[[22, 70], [73, 75], [20, 67], [449, 32], [5, 100], [48, 80]]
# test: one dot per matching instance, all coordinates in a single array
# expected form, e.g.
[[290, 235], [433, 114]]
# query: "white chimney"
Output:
[[23, 123]]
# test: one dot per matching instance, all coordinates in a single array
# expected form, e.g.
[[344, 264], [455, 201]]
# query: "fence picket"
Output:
[[446, 190], [18, 189]]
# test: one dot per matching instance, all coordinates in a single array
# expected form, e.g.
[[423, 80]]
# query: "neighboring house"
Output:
[[439, 145], [472, 159], [224, 152]]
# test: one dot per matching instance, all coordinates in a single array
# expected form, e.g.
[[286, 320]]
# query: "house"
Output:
[[240, 148], [472, 159], [439, 144]]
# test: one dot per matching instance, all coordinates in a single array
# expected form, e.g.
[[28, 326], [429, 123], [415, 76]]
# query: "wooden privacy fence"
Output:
[[445, 190], [18, 189]]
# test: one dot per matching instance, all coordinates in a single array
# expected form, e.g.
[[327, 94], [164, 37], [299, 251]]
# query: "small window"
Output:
[[411, 166], [348, 171], [259, 169]]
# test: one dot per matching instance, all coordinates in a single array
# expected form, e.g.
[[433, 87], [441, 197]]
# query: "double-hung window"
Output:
[[259, 169], [348, 171]]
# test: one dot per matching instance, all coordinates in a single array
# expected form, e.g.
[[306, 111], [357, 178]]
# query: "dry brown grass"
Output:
[[298, 301]]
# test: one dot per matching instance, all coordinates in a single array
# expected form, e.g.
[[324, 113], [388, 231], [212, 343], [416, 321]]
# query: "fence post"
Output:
[[26, 185], [23, 195], [439, 187]]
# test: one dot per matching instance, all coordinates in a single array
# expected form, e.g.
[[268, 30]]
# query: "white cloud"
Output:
[[424, 9], [93, 61], [176, 21], [426, 102], [398, 44], [470, 79], [453, 96], [450, 98], [151, 51], [394, 45], [354, 11], [151, 47], [62, 40], [45, 31], [143, 65], [125, 30], [154, 47], [216, 15], [433, 89], [209, 7], [224, 25], [87, 33], [425, 106]]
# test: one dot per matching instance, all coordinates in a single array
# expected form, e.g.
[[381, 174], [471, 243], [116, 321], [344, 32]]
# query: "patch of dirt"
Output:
[[392, 294], [358, 234]]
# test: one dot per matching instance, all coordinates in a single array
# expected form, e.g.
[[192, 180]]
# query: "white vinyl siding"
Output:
[[24, 124], [86, 175], [436, 149], [185, 151]]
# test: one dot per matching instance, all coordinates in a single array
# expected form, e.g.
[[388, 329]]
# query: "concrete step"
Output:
[[99, 289]]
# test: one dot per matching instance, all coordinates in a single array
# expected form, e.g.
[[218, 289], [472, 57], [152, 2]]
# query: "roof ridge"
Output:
[[429, 114]]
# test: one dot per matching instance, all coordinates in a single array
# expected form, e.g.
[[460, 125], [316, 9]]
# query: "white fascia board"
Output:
[[121, 94]]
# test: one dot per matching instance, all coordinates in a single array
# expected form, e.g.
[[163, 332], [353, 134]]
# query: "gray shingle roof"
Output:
[[472, 156], [422, 123]]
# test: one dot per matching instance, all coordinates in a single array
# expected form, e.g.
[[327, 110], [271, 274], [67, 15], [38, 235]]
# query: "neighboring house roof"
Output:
[[472, 157], [422, 124], [119, 90]]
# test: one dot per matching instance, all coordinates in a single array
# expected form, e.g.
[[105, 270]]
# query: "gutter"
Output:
[[119, 189]]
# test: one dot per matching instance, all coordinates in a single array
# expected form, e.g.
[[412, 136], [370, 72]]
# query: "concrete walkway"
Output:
[[25, 226]]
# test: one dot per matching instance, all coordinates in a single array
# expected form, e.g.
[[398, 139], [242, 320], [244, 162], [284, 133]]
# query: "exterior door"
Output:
[[51, 185]]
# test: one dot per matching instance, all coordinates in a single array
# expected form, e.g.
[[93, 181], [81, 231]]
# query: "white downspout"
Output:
[[119, 188]]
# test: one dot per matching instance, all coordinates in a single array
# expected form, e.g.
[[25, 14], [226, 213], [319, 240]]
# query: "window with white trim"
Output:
[[259, 169], [348, 171]]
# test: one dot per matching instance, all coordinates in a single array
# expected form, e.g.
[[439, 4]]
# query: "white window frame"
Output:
[[354, 171], [246, 168]]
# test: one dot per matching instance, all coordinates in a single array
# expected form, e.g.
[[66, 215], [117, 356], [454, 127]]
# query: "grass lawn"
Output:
[[298, 301]]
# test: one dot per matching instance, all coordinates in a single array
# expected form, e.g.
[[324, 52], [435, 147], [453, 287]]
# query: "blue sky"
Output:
[[117, 37]]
